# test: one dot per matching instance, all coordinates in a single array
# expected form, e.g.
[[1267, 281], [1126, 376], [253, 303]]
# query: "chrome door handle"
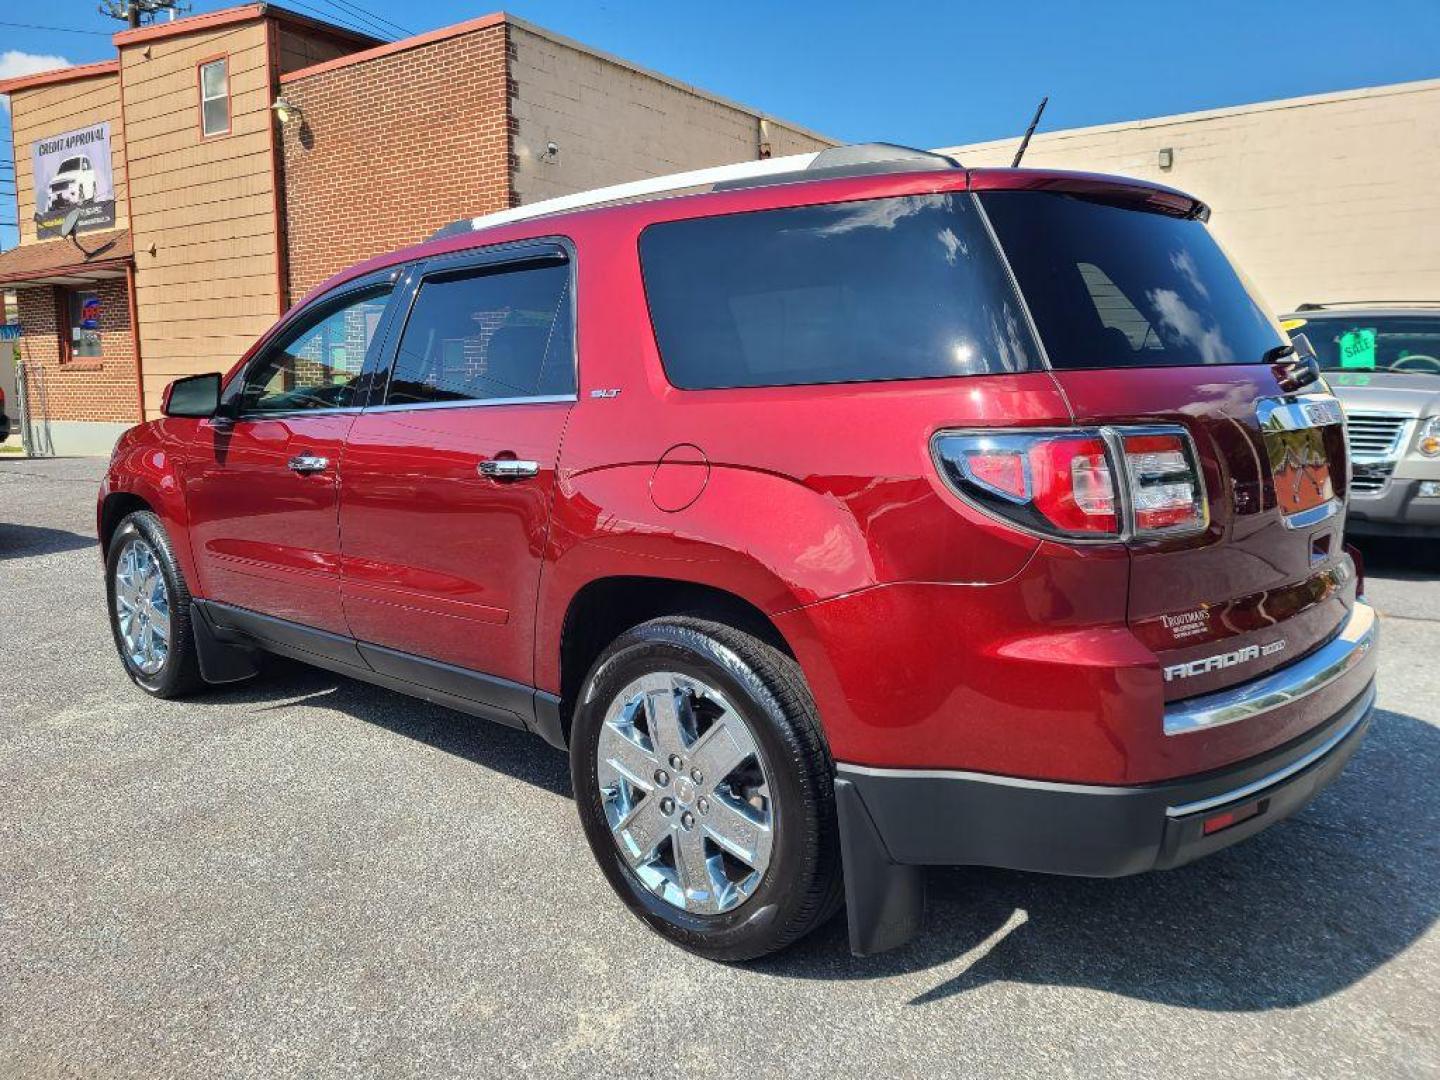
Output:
[[508, 468], [308, 463]]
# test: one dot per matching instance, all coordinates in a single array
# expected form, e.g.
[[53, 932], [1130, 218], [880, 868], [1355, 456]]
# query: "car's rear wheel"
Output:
[[150, 609], [706, 789]]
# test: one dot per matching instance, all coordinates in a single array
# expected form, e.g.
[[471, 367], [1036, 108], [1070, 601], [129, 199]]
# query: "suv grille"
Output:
[[1371, 479], [1375, 434]]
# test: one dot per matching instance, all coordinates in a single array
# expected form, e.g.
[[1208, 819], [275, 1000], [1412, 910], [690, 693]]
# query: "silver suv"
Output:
[[1383, 362]]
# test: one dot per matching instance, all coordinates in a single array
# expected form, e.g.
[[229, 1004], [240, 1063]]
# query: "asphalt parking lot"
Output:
[[312, 877]]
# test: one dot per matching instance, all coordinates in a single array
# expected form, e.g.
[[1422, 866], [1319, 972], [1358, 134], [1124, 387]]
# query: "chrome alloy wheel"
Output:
[[685, 792], [142, 607]]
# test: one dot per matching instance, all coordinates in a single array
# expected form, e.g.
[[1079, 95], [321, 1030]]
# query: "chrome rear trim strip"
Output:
[[1280, 775], [1288, 684], [1303, 519]]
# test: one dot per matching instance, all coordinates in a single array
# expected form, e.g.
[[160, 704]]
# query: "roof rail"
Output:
[[1367, 303], [859, 159]]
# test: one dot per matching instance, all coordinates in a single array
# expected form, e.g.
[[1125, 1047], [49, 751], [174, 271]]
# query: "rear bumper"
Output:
[[895, 821], [1396, 511], [960, 819]]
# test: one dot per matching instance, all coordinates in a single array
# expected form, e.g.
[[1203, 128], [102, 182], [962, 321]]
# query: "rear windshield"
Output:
[[1404, 343], [898, 288], [1110, 286]]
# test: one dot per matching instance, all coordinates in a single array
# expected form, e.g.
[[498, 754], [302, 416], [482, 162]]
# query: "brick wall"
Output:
[[614, 122], [392, 148], [85, 388]]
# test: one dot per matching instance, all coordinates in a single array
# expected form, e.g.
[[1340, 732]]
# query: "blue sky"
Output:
[[925, 75]]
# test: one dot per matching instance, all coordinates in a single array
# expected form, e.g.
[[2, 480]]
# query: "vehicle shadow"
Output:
[[515, 753], [1291, 916], [1405, 560], [26, 541]]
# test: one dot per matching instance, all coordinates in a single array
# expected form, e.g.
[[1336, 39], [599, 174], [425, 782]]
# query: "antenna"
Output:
[[1025, 142]]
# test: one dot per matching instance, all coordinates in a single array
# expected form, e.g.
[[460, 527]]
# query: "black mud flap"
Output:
[[220, 661], [884, 900]]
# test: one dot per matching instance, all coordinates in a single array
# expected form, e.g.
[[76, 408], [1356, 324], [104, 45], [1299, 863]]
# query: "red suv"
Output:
[[857, 514]]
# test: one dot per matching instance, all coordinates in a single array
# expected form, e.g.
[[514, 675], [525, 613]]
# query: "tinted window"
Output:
[[901, 288], [1115, 287], [317, 365], [1405, 343], [487, 334]]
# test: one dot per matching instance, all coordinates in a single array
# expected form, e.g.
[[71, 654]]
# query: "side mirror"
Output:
[[196, 396]]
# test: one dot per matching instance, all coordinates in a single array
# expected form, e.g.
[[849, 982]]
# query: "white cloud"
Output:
[[1184, 322], [13, 62]]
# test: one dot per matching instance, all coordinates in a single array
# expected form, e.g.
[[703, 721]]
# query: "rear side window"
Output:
[[485, 335], [1111, 286], [898, 288]]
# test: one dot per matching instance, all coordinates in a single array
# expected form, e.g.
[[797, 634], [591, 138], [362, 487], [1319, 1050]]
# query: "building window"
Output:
[[215, 97], [84, 341]]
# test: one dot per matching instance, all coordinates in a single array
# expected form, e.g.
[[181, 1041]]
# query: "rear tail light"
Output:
[[1165, 493], [1089, 484]]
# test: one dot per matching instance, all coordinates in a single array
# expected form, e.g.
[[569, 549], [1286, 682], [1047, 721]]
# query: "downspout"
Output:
[[134, 322], [134, 251], [278, 203]]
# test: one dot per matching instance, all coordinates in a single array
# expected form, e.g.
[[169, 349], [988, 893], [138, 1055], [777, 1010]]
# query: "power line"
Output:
[[55, 29], [336, 20], [369, 16]]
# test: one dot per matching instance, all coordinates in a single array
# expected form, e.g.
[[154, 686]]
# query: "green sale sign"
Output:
[[1357, 349]]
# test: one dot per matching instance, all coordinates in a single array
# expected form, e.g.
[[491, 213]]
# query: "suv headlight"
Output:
[[1429, 443]]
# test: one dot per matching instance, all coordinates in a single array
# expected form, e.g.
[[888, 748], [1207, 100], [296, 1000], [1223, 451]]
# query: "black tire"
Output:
[[180, 673], [802, 886]]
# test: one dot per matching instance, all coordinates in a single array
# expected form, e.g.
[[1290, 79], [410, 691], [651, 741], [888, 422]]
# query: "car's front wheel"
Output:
[[705, 787], [150, 609]]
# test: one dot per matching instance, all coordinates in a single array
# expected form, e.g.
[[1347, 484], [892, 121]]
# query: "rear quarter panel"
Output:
[[804, 493]]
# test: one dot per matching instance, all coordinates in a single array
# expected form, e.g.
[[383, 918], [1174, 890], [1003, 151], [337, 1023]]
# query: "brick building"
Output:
[[224, 164]]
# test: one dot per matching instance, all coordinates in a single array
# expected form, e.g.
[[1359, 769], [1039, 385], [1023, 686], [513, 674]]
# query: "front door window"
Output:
[[317, 364]]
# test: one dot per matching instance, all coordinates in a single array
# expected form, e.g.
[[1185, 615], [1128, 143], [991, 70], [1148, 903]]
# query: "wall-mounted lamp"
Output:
[[286, 111], [552, 154], [1167, 158]]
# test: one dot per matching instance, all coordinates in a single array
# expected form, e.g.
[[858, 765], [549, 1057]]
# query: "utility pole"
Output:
[[138, 12]]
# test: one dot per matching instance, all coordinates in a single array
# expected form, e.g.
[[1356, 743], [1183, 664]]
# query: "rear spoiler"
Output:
[[1095, 187]]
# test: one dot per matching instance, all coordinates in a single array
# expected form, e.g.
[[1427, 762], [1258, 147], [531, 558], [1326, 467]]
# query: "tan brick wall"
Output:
[[395, 146], [84, 388], [785, 139], [211, 287], [45, 111], [392, 148], [614, 122], [1324, 198]]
